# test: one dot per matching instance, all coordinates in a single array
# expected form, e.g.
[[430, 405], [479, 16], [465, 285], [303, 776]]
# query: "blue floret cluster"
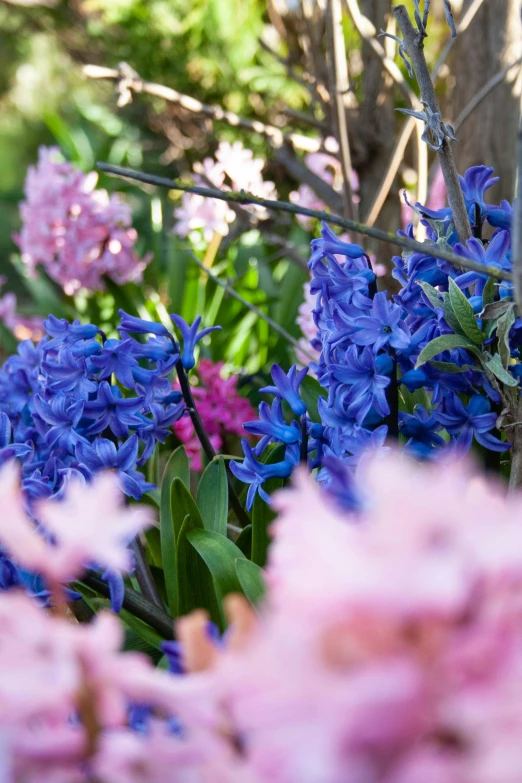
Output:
[[435, 365], [78, 403]]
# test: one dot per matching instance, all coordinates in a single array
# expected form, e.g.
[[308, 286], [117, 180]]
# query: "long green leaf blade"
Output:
[[177, 466], [220, 555], [251, 579], [195, 584], [212, 497]]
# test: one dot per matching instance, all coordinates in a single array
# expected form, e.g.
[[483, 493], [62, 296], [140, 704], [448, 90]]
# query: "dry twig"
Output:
[[129, 82], [283, 206], [413, 41]]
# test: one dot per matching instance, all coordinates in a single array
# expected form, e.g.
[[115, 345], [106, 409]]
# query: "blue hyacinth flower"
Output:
[[255, 473], [286, 387], [191, 337], [465, 422], [111, 410]]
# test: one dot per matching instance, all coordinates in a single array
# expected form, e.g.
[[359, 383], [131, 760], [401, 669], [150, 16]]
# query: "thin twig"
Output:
[[308, 83], [391, 170], [413, 41], [340, 87], [285, 155], [283, 206], [516, 236], [136, 604], [368, 33], [128, 82], [495, 80], [463, 25], [230, 290]]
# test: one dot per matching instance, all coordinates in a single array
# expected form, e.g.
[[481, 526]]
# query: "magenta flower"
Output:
[[222, 410]]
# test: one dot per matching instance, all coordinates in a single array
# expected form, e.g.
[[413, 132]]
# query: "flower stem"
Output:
[[136, 604], [144, 574], [206, 445]]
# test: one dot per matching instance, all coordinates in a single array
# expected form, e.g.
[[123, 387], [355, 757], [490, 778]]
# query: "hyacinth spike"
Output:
[[286, 387], [272, 424], [135, 325], [191, 337]]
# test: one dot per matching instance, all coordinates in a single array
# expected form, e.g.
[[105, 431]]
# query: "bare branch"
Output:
[[495, 80], [283, 206], [368, 33], [391, 171], [129, 82], [414, 46], [516, 237], [297, 169], [461, 27], [32, 3], [340, 88]]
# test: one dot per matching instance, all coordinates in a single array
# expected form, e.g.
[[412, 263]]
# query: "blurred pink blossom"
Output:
[[23, 327], [235, 168], [223, 411], [90, 525], [388, 650], [77, 233], [328, 168]]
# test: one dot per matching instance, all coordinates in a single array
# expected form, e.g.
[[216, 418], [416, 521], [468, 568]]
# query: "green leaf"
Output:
[[195, 584], [251, 579], [449, 316], [134, 643], [244, 541], [444, 343], [494, 365], [8, 342], [153, 538], [504, 324], [488, 294], [155, 497], [495, 309], [149, 636], [213, 496], [177, 467], [433, 295], [464, 313], [182, 504], [262, 514], [453, 368], [310, 391], [220, 555]]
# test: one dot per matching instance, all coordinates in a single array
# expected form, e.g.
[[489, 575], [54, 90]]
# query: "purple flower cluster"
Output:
[[422, 365], [76, 404]]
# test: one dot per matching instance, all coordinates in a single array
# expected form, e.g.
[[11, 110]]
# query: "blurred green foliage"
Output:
[[206, 48]]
